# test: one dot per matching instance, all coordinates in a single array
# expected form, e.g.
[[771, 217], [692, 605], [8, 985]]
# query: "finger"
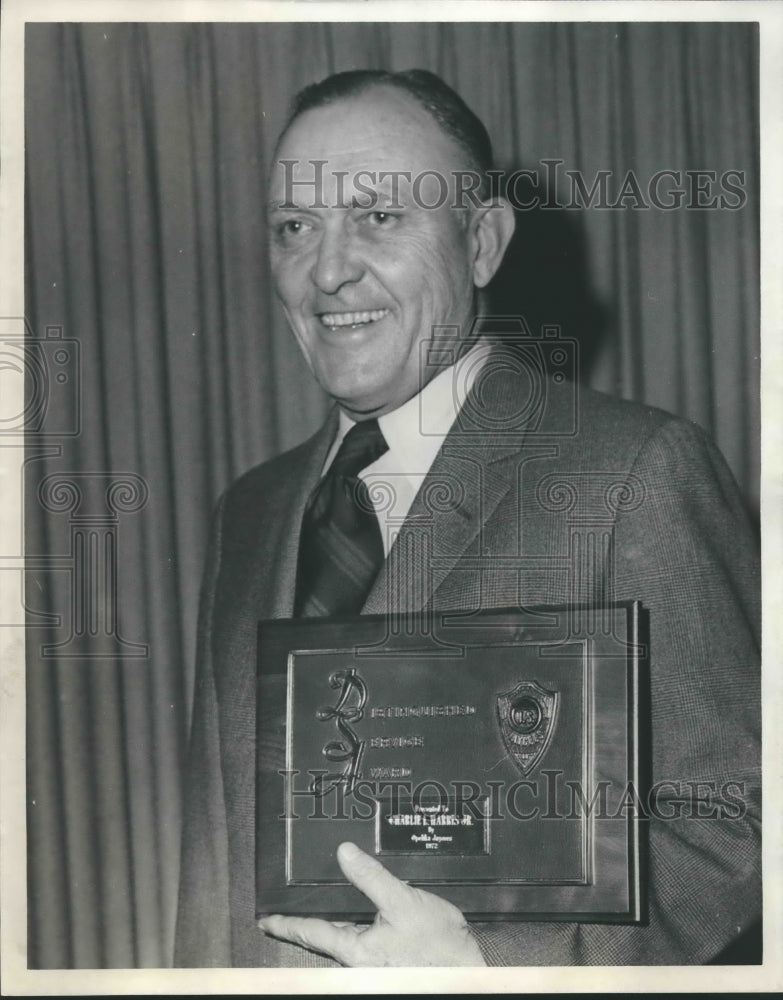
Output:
[[369, 876], [318, 935]]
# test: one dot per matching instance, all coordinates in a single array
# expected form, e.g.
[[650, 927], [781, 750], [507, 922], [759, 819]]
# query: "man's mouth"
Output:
[[352, 319]]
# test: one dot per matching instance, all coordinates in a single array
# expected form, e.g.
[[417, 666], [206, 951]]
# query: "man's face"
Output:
[[363, 284]]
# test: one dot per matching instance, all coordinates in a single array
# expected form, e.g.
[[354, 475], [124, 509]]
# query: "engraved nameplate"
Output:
[[436, 826]]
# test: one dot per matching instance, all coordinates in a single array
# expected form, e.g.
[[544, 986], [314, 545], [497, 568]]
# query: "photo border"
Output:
[[17, 979]]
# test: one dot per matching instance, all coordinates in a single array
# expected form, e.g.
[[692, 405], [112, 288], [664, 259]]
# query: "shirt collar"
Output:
[[416, 429]]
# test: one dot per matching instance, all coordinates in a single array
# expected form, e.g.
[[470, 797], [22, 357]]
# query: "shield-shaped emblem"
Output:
[[527, 717]]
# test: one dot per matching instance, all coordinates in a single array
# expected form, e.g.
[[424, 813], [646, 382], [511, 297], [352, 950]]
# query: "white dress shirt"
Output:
[[414, 433]]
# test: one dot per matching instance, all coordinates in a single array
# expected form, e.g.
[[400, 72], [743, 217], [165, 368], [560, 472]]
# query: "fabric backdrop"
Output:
[[146, 150]]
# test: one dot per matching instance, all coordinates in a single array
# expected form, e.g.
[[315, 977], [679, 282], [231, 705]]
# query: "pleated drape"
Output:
[[146, 150]]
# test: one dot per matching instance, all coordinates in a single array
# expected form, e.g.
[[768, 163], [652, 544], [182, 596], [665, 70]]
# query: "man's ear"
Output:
[[491, 228]]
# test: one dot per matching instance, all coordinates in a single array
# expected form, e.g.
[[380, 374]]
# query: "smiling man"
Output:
[[365, 279], [382, 236]]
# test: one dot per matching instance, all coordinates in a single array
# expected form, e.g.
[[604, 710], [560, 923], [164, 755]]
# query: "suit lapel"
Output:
[[444, 526], [277, 555], [474, 470], [472, 473]]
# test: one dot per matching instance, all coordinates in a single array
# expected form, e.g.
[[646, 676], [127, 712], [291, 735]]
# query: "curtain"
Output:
[[148, 291]]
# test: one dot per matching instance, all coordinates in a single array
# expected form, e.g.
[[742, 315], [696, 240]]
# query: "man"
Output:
[[371, 277]]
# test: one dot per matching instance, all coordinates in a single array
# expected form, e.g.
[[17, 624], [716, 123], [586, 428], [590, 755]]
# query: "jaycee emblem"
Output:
[[527, 718]]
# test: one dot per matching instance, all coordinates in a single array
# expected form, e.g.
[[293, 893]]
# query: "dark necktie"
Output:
[[340, 549]]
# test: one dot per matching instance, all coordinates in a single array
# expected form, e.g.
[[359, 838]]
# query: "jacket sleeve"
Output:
[[203, 934], [689, 554]]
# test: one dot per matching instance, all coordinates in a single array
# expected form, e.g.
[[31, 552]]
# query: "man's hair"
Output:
[[428, 90]]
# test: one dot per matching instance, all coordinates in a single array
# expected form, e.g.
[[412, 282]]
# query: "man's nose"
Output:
[[336, 262]]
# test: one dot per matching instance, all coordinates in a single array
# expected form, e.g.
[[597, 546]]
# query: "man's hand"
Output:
[[411, 928]]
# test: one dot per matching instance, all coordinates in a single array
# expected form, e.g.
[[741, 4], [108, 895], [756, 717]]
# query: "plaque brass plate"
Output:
[[488, 758], [442, 825]]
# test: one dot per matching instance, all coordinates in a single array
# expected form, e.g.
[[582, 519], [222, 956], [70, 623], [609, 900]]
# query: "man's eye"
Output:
[[385, 219], [292, 228]]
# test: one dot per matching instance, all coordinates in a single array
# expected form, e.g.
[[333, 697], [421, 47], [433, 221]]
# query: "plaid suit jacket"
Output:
[[524, 472]]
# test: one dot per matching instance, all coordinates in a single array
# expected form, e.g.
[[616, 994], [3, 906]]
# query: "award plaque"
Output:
[[493, 758]]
